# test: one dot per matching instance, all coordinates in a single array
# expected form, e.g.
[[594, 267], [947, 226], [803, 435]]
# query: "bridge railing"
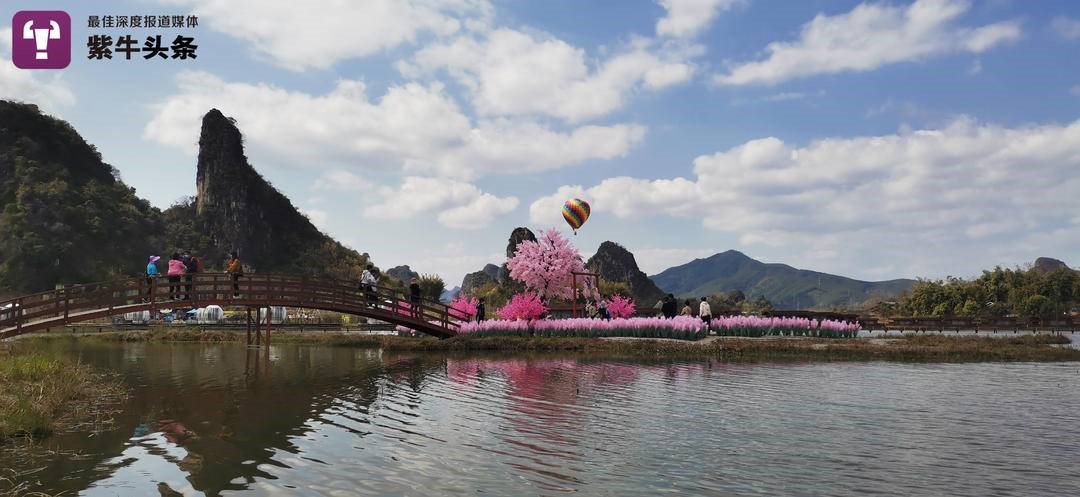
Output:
[[200, 289]]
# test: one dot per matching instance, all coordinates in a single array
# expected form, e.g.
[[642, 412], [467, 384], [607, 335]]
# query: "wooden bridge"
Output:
[[77, 303]]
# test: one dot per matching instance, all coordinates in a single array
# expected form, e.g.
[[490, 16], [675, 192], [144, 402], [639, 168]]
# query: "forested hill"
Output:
[[65, 216], [786, 287]]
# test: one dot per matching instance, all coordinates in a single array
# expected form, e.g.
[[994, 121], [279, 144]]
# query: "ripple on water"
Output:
[[335, 421]]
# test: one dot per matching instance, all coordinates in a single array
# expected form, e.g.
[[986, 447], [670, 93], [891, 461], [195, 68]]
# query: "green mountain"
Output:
[[66, 217], [786, 287]]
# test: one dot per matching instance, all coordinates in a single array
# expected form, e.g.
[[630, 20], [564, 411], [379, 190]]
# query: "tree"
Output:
[[431, 287], [546, 266], [526, 306]]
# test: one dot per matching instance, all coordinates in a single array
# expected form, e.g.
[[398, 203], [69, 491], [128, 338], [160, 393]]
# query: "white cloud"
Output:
[[915, 198], [458, 204], [655, 260], [687, 18], [1075, 91], [318, 217], [1066, 27], [337, 180], [415, 128], [45, 89], [512, 73], [786, 96], [322, 32], [870, 36]]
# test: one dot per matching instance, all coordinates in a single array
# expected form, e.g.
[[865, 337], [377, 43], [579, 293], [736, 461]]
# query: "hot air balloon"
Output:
[[575, 212]]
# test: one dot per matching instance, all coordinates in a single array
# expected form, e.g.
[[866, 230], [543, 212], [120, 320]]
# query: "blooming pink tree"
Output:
[[546, 266], [465, 305], [527, 306], [621, 307]]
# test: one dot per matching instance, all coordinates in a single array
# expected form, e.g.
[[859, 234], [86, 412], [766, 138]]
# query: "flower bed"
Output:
[[682, 327], [756, 326]]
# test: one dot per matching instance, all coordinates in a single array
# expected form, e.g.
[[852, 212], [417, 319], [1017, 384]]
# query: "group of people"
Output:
[[597, 310], [368, 283], [668, 305], [183, 266]]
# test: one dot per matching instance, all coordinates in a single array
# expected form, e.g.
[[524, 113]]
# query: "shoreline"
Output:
[[911, 348], [42, 393]]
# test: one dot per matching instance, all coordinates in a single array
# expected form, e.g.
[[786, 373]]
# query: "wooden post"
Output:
[[258, 334], [248, 322], [269, 318], [18, 313], [67, 305]]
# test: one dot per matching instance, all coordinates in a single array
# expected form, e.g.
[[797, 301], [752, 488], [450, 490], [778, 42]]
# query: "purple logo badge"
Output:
[[41, 39]]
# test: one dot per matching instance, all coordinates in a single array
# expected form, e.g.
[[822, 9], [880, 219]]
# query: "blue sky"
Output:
[[869, 139]]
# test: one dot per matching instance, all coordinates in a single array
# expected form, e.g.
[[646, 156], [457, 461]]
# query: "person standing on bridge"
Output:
[[176, 270], [368, 282], [414, 297], [236, 270], [481, 311], [151, 273], [191, 266]]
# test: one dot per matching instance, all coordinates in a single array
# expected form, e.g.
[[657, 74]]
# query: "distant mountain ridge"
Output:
[[785, 286]]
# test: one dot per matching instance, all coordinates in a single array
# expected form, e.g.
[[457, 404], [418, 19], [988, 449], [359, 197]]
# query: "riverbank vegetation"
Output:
[[41, 393], [922, 348], [1046, 289]]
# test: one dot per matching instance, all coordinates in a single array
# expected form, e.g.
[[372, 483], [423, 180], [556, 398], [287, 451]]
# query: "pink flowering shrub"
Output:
[[621, 307], [523, 306], [546, 266], [682, 327], [465, 305], [756, 326]]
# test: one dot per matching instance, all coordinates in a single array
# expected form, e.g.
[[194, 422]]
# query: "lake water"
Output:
[[303, 420]]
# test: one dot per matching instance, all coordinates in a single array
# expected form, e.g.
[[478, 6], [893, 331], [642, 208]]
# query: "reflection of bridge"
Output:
[[77, 303]]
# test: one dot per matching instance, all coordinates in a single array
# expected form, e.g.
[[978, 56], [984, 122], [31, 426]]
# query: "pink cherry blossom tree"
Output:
[[525, 306], [621, 307], [546, 266], [465, 305]]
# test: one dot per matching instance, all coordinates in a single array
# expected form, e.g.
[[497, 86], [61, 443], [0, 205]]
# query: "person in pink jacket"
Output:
[[176, 270]]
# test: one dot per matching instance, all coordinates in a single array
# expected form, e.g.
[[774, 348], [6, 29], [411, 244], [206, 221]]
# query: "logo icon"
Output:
[[41, 39]]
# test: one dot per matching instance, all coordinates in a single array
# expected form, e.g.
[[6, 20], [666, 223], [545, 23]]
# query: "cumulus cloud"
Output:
[[337, 180], [870, 36], [310, 36], [457, 204], [1066, 27], [687, 18], [48, 91], [511, 73], [654, 260], [318, 217], [922, 194], [413, 127]]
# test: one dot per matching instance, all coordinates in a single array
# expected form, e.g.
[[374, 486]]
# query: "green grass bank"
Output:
[[923, 348]]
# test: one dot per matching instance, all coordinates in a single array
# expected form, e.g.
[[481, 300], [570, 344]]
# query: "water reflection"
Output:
[[295, 420]]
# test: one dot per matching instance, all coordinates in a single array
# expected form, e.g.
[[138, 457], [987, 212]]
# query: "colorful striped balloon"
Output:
[[575, 212]]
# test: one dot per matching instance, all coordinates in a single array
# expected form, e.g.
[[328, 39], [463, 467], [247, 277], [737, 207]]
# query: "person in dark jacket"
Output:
[[481, 311], [191, 266], [414, 297], [669, 308]]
